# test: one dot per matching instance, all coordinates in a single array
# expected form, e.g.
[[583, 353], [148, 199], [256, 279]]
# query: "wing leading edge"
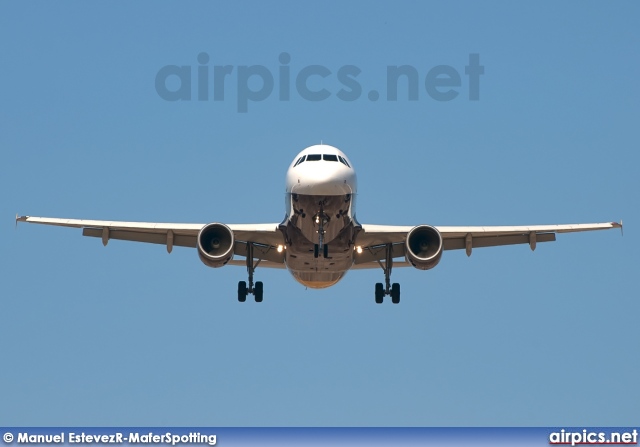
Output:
[[374, 238], [266, 236]]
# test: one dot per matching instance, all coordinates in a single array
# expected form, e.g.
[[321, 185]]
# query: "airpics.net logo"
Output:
[[254, 83]]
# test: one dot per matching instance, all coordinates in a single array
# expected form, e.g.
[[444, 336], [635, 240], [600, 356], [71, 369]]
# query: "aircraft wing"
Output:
[[374, 238], [266, 237]]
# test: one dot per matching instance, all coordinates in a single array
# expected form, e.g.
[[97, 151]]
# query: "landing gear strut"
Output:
[[257, 290], [325, 250], [321, 220], [388, 289]]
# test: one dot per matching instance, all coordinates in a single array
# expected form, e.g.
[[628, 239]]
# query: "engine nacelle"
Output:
[[424, 247], [215, 244]]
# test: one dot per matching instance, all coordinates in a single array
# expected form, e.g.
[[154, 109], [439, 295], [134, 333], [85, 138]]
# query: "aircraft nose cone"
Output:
[[325, 182]]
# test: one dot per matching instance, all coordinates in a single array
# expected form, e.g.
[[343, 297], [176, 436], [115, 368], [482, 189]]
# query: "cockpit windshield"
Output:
[[343, 161], [325, 157]]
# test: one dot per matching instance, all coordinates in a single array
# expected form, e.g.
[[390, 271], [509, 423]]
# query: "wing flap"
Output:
[[378, 253], [496, 241], [263, 264], [262, 252], [375, 265], [180, 240]]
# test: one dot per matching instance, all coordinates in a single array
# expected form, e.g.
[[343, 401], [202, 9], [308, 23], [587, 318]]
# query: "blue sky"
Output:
[[128, 335]]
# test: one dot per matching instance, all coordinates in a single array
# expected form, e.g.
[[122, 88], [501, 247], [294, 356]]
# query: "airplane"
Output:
[[320, 239]]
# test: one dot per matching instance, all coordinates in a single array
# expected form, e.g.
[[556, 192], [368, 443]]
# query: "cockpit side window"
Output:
[[329, 157], [343, 161], [300, 160], [314, 157]]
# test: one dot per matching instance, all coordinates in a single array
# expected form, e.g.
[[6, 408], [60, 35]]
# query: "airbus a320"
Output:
[[320, 239]]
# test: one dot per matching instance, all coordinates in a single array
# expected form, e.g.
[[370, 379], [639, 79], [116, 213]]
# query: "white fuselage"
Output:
[[321, 189]]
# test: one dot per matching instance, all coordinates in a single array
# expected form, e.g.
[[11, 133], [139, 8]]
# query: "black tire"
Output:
[[242, 291], [395, 293], [325, 250], [315, 250], [258, 292], [379, 293]]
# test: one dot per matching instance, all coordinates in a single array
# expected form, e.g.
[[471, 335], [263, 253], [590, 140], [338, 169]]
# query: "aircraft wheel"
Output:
[[395, 293], [379, 293], [325, 250], [242, 291], [257, 292]]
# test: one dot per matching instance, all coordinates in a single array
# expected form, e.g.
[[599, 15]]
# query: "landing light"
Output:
[[359, 249], [280, 248]]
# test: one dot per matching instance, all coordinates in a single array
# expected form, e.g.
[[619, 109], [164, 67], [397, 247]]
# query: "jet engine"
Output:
[[215, 244], [424, 247]]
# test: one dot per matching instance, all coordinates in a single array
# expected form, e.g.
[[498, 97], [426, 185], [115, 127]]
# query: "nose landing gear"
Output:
[[321, 219], [325, 250]]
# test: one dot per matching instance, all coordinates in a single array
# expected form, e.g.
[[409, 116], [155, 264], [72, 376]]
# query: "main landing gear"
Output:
[[388, 289], [256, 290]]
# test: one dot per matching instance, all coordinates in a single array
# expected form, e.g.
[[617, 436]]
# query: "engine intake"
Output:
[[215, 244], [424, 247]]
